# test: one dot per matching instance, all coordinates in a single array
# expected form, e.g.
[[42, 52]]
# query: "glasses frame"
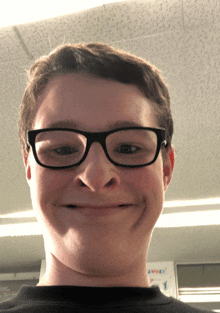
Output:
[[96, 137]]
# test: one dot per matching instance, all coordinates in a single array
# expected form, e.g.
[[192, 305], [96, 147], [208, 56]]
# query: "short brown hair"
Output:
[[99, 60]]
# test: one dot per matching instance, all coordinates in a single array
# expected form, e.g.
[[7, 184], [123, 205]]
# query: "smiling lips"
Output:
[[97, 211], [97, 207]]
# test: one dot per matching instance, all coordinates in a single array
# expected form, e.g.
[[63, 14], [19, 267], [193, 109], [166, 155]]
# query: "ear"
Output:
[[27, 166], [168, 167]]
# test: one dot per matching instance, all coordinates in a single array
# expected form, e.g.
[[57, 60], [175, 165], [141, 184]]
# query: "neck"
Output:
[[58, 274]]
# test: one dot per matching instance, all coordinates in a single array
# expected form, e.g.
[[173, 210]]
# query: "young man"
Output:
[[96, 129]]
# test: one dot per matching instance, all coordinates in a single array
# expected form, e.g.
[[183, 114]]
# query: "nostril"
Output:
[[82, 184], [110, 183]]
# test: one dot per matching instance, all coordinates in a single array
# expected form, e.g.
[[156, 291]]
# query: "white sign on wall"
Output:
[[163, 275]]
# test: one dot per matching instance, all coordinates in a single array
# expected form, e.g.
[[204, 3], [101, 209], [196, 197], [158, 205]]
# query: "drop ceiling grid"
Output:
[[13, 187], [11, 49], [202, 13], [43, 36], [16, 251], [140, 19], [200, 156], [185, 244], [125, 20]]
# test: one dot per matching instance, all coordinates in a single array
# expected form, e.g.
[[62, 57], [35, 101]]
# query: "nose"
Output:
[[97, 173]]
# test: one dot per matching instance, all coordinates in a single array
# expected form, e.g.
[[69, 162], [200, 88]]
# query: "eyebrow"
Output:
[[79, 126]]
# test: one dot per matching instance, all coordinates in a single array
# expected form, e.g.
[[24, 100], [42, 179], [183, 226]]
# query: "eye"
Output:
[[128, 149], [65, 150]]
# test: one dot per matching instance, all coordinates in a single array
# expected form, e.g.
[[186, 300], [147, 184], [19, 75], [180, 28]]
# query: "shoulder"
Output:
[[176, 306], [164, 304], [68, 299], [6, 305]]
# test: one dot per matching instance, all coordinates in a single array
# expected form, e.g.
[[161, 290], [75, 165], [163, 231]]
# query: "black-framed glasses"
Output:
[[59, 148]]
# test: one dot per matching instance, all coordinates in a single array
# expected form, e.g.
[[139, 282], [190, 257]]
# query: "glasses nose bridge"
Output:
[[96, 137]]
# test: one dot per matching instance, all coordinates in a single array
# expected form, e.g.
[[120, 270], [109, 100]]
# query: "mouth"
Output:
[[98, 211], [88, 206]]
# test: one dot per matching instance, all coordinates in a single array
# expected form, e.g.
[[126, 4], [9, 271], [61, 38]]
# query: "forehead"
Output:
[[92, 104]]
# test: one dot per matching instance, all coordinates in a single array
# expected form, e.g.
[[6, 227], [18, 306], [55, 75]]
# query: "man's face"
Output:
[[99, 235]]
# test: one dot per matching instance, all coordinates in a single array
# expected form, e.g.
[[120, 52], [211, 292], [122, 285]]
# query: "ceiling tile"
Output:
[[200, 13]]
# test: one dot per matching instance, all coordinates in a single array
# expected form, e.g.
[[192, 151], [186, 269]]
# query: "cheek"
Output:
[[147, 184], [46, 192], [45, 186], [148, 179]]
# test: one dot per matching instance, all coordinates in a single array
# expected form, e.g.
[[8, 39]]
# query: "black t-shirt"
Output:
[[71, 299]]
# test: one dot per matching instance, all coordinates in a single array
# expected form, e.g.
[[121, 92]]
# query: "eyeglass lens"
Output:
[[127, 147]]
